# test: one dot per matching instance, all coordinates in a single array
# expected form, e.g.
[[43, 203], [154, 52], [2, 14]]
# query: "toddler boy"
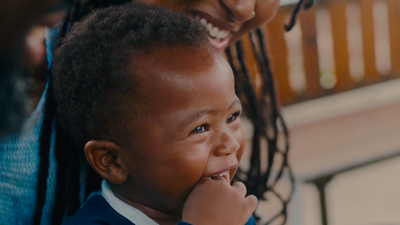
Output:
[[153, 105]]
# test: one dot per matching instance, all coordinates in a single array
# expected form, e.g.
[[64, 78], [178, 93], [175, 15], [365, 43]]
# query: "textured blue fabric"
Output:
[[19, 166], [51, 36], [19, 163]]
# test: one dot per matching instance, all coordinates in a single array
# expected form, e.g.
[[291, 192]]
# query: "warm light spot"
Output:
[[295, 59], [325, 48], [382, 41], [355, 42]]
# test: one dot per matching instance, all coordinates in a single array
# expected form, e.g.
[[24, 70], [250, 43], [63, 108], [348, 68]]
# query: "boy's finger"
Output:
[[240, 187], [252, 202]]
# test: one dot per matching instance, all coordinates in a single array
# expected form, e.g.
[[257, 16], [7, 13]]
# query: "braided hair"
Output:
[[69, 165], [265, 116], [263, 113]]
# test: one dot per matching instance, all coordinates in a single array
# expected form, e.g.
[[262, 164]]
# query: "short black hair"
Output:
[[92, 72]]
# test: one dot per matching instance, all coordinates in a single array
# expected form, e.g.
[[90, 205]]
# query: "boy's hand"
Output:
[[214, 201]]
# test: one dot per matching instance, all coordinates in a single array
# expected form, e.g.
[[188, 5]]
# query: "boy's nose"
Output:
[[240, 10], [227, 145]]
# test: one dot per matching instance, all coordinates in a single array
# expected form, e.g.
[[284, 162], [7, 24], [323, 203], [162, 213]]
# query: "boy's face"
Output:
[[188, 127]]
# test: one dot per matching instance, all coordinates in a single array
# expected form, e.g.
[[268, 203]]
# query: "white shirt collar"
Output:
[[129, 212]]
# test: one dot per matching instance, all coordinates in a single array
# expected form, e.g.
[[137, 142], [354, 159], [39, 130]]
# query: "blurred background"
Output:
[[338, 80]]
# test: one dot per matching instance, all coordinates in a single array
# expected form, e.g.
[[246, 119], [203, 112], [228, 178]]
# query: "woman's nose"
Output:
[[226, 145], [240, 10]]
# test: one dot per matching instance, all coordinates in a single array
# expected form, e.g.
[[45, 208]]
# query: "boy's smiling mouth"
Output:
[[226, 172], [224, 175]]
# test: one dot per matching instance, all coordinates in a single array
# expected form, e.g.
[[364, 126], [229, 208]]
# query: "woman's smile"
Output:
[[225, 20], [219, 31]]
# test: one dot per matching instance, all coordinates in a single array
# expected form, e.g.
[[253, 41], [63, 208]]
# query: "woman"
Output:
[[226, 21]]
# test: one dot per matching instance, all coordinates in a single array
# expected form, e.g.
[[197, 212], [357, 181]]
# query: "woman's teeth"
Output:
[[213, 31]]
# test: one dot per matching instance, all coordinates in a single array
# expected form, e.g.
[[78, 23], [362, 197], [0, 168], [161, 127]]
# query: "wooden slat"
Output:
[[278, 54], [310, 53], [337, 10], [277, 48], [394, 31], [367, 27], [252, 64]]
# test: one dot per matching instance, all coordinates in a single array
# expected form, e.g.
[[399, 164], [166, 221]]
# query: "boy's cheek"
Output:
[[240, 138]]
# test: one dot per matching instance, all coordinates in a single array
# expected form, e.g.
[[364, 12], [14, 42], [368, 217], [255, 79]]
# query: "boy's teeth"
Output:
[[214, 32], [221, 174]]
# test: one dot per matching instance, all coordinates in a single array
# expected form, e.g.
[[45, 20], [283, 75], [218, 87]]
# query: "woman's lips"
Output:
[[219, 44]]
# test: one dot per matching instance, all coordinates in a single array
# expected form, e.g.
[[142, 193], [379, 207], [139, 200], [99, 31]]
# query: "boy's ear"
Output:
[[105, 158]]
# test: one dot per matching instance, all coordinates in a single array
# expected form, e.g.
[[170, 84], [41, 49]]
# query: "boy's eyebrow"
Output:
[[199, 114], [195, 117], [236, 101]]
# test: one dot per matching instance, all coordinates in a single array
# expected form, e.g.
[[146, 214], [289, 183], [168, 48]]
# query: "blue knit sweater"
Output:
[[19, 168]]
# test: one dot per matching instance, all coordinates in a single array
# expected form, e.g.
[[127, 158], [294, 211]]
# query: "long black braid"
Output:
[[60, 198], [265, 117], [68, 162], [296, 10], [44, 153]]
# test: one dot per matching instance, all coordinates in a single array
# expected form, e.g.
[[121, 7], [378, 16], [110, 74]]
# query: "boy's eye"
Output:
[[200, 129], [233, 117]]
